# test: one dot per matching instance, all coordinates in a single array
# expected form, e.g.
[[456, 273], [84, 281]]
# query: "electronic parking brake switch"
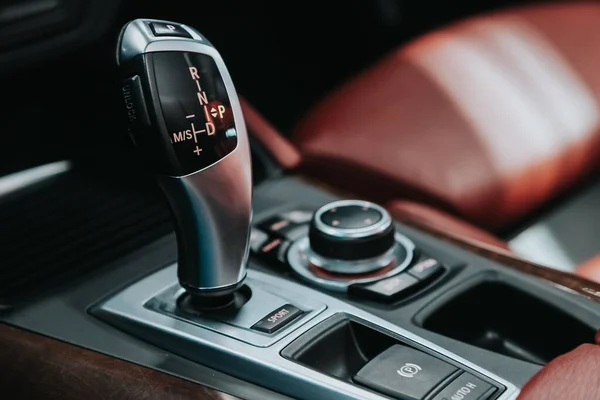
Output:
[[409, 374], [405, 373]]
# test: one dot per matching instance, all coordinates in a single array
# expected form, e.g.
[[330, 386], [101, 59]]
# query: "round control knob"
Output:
[[351, 230]]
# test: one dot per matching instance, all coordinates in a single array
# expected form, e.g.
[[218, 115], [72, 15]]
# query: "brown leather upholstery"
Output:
[[572, 376], [276, 144], [445, 222], [488, 119], [590, 269]]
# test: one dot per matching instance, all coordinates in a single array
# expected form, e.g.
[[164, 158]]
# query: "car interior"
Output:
[[385, 199]]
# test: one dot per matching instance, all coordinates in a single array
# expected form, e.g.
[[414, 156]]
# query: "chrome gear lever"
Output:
[[185, 118]]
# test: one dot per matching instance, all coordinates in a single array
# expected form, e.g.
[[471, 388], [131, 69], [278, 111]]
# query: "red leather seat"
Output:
[[571, 376], [487, 119], [590, 269], [445, 222]]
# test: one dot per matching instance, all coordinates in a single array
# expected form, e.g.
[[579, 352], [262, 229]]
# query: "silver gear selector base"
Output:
[[228, 343], [240, 324]]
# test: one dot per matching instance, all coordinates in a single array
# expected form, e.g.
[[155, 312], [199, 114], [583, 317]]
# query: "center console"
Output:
[[287, 286], [186, 120], [448, 320]]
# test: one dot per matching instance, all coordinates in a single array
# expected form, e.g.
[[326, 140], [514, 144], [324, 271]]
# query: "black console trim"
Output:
[[343, 344], [506, 305], [63, 314]]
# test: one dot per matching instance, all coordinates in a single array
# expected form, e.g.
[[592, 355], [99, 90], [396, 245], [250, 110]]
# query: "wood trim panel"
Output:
[[572, 282], [37, 367]]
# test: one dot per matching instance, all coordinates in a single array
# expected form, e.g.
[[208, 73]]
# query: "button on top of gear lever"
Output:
[[169, 29], [196, 142]]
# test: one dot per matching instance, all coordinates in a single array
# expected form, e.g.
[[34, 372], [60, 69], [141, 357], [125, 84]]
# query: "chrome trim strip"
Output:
[[22, 179], [299, 254], [263, 366]]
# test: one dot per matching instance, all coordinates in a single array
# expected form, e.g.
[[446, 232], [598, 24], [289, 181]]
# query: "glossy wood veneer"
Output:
[[34, 367]]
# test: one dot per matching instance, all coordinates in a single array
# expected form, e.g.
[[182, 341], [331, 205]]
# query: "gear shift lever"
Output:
[[186, 120]]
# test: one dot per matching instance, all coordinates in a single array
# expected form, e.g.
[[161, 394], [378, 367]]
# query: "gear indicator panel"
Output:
[[196, 109]]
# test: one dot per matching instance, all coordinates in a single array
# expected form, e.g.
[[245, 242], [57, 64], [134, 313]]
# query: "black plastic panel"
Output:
[[71, 226], [509, 321], [196, 109], [38, 30], [23, 21]]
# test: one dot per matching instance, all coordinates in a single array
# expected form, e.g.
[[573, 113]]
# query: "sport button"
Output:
[[403, 372], [277, 319]]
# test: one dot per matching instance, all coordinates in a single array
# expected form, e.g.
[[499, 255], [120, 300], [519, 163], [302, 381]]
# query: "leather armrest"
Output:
[[573, 376], [276, 144], [445, 222], [590, 269]]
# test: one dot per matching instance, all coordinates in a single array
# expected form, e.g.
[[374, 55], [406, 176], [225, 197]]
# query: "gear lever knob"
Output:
[[186, 120]]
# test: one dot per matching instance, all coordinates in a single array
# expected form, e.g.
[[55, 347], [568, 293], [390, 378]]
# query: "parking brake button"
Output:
[[403, 372]]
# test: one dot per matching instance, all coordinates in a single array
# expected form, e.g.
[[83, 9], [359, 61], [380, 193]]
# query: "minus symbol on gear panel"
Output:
[[190, 116]]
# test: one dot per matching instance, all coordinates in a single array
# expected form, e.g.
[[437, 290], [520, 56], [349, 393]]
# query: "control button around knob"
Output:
[[351, 230]]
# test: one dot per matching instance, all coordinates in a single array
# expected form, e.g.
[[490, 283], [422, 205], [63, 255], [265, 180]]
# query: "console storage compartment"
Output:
[[355, 352], [340, 347], [501, 317]]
